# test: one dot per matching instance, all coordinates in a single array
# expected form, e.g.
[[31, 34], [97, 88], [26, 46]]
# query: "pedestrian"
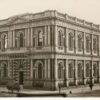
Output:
[[91, 86]]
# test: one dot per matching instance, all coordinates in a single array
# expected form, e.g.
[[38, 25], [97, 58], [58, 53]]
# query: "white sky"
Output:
[[84, 9]]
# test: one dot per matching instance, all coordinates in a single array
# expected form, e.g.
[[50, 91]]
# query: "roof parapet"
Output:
[[77, 20], [53, 13]]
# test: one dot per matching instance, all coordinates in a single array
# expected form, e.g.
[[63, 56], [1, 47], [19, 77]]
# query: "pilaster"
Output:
[[84, 75], [75, 43], [31, 37], [31, 69], [99, 71], [26, 40], [76, 77], [55, 73], [13, 38], [67, 80], [45, 69], [92, 77], [8, 68]]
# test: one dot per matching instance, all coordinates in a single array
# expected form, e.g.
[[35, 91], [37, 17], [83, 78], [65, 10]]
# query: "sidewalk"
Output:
[[67, 90]]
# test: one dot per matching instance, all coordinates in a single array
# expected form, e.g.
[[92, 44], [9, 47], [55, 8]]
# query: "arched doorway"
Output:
[[21, 75]]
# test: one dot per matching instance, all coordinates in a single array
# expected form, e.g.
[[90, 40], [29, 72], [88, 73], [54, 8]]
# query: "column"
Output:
[[9, 39], [26, 40], [66, 40], [67, 80], [75, 39], [31, 38], [31, 69], [55, 73], [9, 68], [13, 38], [55, 37], [92, 72], [55, 68], [76, 78], [83, 42], [49, 35], [45, 36], [99, 71], [84, 75], [48, 68], [84, 49], [45, 69]]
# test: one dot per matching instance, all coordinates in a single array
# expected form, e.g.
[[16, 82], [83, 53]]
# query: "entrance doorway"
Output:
[[21, 77]]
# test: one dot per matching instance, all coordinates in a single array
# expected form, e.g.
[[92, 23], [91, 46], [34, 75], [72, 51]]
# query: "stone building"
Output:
[[44, 49]]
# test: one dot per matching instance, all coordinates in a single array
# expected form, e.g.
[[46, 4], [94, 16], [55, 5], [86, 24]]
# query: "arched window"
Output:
[[60, 38], [60, 71], [21, 39], [40, 38], [87, 44], [95, 45], [71, 70], [95, 70], [4, 41], [71, 41], [80, 42], [16, 43], [40, 71], [87, 70], [80, 70]]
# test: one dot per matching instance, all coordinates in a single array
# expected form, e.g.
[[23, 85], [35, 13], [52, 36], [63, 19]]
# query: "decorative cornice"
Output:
[[28, 17]]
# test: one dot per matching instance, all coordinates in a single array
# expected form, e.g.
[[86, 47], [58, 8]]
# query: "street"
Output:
[[95, 93]]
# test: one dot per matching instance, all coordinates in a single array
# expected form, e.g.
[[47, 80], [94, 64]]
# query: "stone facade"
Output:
[[42, 50]]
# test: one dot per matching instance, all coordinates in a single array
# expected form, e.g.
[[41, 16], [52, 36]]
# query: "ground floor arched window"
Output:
[[38, 71], [80, 70], [87, 70], [95, 70], [71, 70], [60, 71]]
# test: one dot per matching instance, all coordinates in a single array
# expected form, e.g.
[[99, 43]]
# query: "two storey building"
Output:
[[46, 49]]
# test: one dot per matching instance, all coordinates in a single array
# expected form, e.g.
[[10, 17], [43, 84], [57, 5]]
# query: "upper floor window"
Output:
[[4, 41], [60, 38], [88, 44], [16, 42], [21, 39], [95, 45], [40, 38], [80, 42], [71, 41]]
